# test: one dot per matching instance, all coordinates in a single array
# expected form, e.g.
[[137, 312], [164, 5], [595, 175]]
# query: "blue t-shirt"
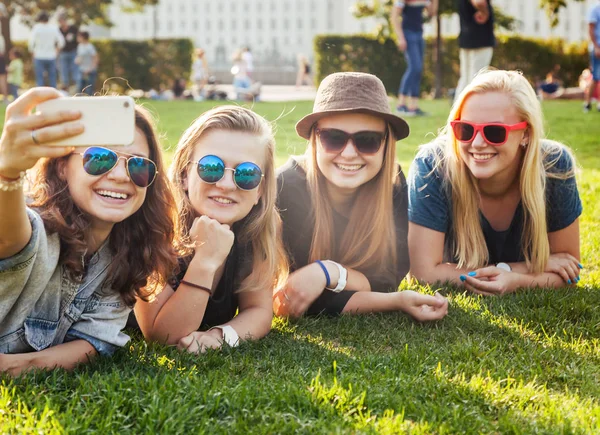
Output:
[[429, 205], [412, 14], [594, 18]]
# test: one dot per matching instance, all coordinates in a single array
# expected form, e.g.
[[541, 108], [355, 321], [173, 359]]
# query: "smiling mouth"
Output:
[[482, 157], [222, 200], [112, 195], [348, 168]]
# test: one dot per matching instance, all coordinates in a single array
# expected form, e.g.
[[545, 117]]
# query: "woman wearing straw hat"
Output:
[[344, 208]]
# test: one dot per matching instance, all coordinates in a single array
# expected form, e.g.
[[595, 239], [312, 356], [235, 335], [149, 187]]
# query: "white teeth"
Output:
[[483, 156], [348, 167], [223, 200], [111, 194]]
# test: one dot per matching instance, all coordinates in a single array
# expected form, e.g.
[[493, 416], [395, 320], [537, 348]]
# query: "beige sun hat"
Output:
[[352, 92]]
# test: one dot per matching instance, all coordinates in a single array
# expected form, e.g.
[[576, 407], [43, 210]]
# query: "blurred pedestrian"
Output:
[[476, 40], [67, 67], [87, 60], [200, 72], [249, 59], [303, 75], [594, 31], [407, 21], [15, 72], [44, 42]]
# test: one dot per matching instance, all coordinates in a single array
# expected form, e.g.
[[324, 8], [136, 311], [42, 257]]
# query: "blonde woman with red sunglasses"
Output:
[[344, 208], [493, 205]]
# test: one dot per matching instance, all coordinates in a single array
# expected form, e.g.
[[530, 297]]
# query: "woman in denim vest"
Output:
[[93, 231], [492, 204]]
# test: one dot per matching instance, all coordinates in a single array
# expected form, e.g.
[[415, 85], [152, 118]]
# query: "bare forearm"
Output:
[[15, 228], [397, 22], [373, 302], [252, 323], [66, 355], [433, 8], [480, 5]]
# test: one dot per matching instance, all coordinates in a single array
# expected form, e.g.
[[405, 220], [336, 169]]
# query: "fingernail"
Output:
[[472, 273], [578, 279], [568, 281], [463, 278], [580, 266]]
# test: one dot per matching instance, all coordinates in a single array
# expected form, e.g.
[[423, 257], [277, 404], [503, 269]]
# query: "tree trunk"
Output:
[[438, 57], [5, 25]]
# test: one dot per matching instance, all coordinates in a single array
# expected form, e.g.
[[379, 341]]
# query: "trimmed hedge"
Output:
[[143, 64], [367, 53]]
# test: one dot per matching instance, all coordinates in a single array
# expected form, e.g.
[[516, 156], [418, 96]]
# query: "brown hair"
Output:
[[369, 241], [141, 245], [262, 226]]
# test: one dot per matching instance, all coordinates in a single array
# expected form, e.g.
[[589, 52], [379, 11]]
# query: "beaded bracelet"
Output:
[[320, 263], [8, 185]]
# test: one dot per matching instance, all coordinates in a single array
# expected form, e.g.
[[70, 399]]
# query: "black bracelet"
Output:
[[199, 287]]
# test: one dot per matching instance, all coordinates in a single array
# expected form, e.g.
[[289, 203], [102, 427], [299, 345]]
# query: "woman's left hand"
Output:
[[302, 288], [492, 281], [200, 341]]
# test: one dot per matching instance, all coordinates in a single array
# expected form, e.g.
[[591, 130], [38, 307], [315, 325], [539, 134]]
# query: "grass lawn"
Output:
[[523, 363]]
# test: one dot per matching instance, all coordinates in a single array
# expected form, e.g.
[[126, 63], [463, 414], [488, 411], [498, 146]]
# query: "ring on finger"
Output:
[[34, 137]]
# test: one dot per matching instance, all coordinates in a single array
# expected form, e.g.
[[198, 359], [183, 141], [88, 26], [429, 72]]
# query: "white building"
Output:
[[277, 30]]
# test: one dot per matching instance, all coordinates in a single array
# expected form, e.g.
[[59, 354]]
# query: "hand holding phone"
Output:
[[107, 121]]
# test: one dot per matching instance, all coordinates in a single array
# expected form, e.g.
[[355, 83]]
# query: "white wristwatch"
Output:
[[504, 266], [229, 335], [341, 284]]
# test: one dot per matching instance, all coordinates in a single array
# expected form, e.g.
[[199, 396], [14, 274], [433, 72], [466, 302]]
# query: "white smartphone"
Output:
[[108, 121]]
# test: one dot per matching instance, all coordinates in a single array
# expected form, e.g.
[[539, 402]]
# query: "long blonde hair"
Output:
[[369, 241], [262, 227], [469, 243]]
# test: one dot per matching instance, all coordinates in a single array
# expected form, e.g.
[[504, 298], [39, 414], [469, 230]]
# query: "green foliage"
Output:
[[525, 363], [552, 8], [135, 64], [367, 53]]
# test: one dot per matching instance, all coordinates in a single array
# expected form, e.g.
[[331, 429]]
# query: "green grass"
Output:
[[523, 363]]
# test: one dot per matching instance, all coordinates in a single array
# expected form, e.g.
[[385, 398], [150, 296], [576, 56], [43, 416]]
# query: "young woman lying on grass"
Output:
[[344, 208], [96, 228], [493, 205], [227, 233]]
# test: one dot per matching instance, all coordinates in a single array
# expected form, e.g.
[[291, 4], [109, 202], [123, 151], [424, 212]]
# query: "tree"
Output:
[[82, 11], [552, 8]]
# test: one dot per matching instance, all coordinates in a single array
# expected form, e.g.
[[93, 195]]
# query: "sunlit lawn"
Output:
[[523, 363]]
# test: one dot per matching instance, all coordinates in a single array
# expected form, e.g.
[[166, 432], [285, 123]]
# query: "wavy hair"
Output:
[[369, 241], [141, 245], [539, 157], [261, 228]]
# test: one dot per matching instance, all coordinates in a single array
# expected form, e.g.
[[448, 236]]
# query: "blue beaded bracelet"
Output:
[[320, 263]]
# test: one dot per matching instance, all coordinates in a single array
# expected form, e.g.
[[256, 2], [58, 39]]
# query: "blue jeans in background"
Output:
[[86, 82], [415, 50], [68, 69], [13, 90], [42, 66]]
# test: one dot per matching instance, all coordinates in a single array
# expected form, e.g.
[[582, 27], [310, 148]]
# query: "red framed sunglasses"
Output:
[[494, 133]]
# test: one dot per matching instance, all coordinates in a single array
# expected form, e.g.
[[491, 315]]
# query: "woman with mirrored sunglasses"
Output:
[[493, 206], [227, 235], [75, 248], [344, 208]]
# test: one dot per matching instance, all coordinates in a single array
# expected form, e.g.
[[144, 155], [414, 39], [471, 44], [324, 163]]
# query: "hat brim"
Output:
[[399, 125]]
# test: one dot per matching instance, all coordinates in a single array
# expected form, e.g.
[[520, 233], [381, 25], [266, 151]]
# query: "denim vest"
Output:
[[41, 306]]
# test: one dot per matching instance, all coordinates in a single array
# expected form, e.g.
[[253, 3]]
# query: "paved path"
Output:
[[280, 92]]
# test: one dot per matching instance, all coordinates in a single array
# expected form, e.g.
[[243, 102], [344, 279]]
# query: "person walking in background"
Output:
[[407, 21], [3, 84], [87, 60], [303, 75], [249, 60], [200, 72], [476, 39], [15, 72], [594, 28], [44, 42], [66, 58]]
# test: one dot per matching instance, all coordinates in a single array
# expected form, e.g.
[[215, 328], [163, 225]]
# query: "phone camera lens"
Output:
[[126, 104]]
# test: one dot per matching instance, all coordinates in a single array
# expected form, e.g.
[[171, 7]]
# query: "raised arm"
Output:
[[21, 146], [396, 19]]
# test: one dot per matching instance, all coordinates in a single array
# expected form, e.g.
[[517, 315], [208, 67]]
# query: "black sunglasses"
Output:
[[246, 175], [366, 142], [98, 161]]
